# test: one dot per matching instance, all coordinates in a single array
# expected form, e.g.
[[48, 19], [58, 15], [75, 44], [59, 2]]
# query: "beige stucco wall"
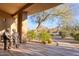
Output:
[[5, 24], [24, 30], [24, 27], [12, 24]]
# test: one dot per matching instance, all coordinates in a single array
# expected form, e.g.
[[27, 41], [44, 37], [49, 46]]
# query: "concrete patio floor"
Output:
[[37, 49]]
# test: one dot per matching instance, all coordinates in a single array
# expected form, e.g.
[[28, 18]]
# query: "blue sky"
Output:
[[52, 24]]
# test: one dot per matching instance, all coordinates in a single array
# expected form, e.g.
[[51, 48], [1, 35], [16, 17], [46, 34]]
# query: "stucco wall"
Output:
[[24, 28], [12, 24], [5, 22]]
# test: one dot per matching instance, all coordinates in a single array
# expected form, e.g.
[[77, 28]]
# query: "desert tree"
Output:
[[63, 12]]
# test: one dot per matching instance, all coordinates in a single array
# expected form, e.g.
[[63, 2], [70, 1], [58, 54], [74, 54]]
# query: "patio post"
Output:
[[19, 25]]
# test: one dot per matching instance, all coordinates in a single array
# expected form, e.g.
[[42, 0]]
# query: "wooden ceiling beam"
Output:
[[5, 12], [24, 7], [36, 9]]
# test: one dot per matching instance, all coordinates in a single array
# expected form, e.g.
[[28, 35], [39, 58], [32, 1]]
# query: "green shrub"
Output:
[[76, 36], [45, 37], [62, 34], [31, 35], [72, 34]]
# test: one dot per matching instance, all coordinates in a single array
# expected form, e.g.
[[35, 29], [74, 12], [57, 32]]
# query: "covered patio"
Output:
[[14, 16]]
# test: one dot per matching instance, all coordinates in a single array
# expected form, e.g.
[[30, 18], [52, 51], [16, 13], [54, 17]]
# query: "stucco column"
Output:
[[24, 27], [19, 25]]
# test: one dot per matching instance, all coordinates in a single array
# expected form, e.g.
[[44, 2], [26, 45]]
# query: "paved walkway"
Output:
[[37, 49], [68, 42]]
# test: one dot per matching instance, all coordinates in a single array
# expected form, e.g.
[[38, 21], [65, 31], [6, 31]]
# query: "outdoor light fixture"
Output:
[[4, 20]]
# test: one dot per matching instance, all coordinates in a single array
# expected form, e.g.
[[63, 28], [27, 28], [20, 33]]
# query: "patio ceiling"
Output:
[[14, 8], [10, 8], [38, 7]]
